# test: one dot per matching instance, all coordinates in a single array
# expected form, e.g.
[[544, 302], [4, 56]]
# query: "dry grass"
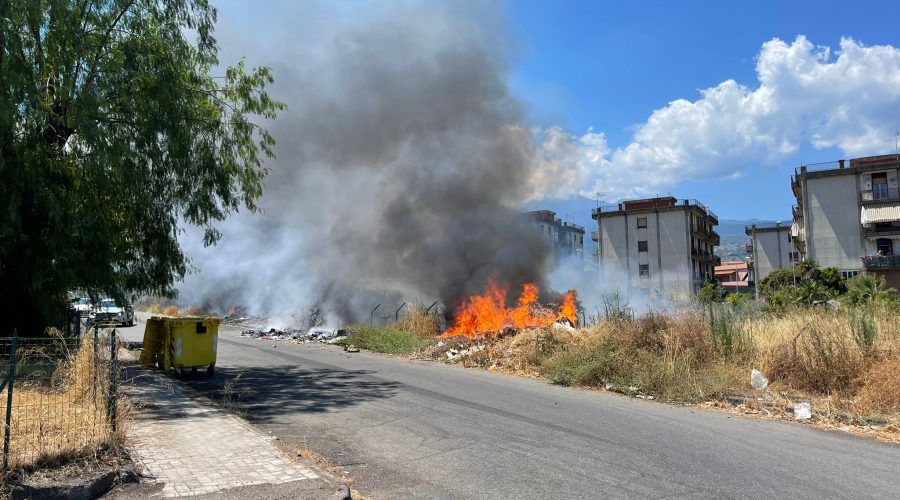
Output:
[[60, 416], [809, 355], [880, 391], [420, 322]]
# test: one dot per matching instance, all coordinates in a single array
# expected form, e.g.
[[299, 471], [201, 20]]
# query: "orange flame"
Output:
[[487, 314]]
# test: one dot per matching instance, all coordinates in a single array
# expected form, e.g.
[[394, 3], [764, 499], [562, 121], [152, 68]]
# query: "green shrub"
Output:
[[388, 339], [866, 288], [862, 325]]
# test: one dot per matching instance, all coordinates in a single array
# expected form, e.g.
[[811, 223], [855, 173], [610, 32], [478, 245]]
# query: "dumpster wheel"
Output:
[[211, 370]]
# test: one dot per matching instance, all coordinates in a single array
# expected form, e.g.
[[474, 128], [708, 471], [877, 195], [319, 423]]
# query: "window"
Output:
[[644, 270], [885, 246], [849, 274], [641, 222], [642, 246], [879, 186]]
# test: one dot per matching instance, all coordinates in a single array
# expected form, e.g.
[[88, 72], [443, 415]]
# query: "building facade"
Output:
[[565, 238], [661, 245], [848, 215], [772, 248], [735, 276]]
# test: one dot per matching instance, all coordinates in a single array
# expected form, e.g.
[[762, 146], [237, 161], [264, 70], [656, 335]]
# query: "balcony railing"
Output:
[[683, 203], [880, 192], [703, 255], [881, 261], [595, 235], [748, 247]]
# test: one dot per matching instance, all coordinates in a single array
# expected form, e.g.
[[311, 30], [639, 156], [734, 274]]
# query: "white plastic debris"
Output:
[[440, 343], [758, 380], [802, 411]]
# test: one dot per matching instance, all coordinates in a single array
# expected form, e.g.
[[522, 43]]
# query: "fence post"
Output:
[[113, 380], [10, 378]]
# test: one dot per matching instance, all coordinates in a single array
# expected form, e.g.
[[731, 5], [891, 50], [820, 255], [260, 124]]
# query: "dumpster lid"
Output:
[[194, 319]]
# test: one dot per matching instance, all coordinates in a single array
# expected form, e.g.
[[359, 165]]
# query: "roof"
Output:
[[733, 265]]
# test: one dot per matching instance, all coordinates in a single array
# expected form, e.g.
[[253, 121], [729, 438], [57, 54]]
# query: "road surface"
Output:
[[407, 429]]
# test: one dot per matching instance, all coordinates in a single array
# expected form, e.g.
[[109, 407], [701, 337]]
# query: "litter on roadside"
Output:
[[758, 380], [802, 411]]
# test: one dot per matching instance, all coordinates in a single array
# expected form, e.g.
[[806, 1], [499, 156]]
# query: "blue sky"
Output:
[[609, 65], [754, 85]]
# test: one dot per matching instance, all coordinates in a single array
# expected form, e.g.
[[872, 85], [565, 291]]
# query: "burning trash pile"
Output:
[[297, 336], [485, 318]]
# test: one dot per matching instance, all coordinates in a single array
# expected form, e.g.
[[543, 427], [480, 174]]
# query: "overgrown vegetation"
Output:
[[60, 409], [844, 356], [411, 334]]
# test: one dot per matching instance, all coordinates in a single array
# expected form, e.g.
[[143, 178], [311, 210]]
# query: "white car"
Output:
[[83, 306], [108, 312]]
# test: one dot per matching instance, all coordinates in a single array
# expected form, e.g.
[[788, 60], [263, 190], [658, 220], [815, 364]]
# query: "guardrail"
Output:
[[881, 261]]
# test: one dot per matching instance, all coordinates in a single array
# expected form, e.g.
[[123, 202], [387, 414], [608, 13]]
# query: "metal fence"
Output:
[[59, 395]]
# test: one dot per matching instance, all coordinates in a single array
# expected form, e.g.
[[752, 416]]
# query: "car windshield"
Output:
[[83, 302], [108, 303]]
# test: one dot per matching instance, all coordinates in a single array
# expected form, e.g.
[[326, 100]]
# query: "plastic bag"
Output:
[[802, 411], [758, 380]]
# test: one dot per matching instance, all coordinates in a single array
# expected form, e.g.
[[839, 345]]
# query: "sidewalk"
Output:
[[192, 448]]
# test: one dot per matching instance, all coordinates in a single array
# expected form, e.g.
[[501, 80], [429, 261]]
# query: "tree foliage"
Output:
[[113, 131], [802, 285], [866, 289]]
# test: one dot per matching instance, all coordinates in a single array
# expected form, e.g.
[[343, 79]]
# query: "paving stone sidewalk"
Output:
[[196, 449]]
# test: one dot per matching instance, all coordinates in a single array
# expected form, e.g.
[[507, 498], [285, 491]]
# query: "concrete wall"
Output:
[[833, 229], [667, 255], [771, 251]]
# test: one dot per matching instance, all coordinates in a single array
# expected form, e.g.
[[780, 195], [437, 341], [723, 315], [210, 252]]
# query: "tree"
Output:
[[113, 132], [802, 285]]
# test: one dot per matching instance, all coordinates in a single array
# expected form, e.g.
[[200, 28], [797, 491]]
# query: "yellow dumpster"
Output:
[[181, 343]]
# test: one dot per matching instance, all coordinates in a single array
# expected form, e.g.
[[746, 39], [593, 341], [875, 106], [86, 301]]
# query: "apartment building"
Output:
[[661, 245], [772, 248], [848, 215], [566, 238]]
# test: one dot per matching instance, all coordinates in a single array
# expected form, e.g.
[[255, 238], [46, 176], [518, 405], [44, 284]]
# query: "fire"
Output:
[[487, 314]]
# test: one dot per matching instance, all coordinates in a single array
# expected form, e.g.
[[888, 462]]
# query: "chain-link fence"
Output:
[[58, 395]]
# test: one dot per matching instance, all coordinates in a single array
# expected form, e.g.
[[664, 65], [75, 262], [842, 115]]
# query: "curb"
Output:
[[85, 489]]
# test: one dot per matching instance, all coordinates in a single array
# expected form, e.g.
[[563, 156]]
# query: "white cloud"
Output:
[[847, 99]]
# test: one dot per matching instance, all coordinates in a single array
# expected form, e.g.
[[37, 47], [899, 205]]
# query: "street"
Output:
[[406, 429]]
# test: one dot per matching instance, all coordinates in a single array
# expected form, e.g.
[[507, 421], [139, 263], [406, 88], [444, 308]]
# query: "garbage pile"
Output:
[[298, 336]]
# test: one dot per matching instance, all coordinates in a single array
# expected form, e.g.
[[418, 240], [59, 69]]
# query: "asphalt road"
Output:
[[408, 429]]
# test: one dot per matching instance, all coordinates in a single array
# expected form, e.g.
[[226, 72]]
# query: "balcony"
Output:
[[595, 235], [881, 262], [880, 192], [748, 247], [704, 256]]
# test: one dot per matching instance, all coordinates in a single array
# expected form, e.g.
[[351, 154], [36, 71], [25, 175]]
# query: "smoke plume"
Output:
[[401, 164]]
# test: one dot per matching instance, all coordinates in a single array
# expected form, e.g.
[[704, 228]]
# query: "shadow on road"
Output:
[[261, 394]]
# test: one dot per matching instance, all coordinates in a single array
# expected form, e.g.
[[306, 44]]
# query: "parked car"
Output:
[[108, 312], [82, 305]]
